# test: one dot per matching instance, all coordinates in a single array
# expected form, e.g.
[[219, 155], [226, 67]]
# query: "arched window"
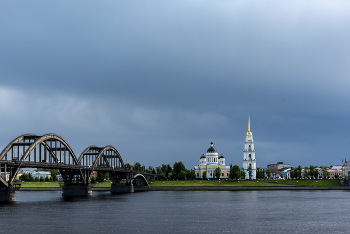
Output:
[[250, 147], [250, 156]]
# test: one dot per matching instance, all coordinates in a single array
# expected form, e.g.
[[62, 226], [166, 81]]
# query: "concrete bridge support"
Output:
[[122, 188], [7, 194], [79, 190]]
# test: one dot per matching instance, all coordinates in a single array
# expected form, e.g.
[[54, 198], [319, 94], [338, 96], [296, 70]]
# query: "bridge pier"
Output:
[[7, 194], [122, 188], [79, 190]]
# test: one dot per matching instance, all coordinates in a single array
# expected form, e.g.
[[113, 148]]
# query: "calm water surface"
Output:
[[180, 212]]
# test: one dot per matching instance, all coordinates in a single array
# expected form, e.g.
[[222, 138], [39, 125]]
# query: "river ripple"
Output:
[[179, 212]]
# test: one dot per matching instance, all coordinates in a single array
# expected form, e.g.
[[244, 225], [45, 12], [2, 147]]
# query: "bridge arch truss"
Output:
[[100, 158], [30, 150]]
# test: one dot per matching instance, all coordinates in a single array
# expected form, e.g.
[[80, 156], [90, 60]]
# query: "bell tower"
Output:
[[249, 154]]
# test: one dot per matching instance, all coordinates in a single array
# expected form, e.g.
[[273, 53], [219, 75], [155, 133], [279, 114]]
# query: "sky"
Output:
[[159, 80]]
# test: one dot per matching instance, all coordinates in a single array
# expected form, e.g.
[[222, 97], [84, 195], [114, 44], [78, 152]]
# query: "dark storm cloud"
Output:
[[176, 74]]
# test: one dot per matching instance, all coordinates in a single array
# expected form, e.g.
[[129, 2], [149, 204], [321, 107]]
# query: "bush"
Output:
[[182, 175], [204, 175]]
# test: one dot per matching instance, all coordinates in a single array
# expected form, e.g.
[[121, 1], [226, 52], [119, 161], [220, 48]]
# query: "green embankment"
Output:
[[204, 183], [247, 183], [57, 184]]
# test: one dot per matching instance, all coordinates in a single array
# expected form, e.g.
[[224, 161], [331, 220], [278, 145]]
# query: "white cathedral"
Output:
[[211, 160]]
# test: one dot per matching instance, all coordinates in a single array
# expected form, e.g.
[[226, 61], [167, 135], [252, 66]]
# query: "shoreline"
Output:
[[204, 188], [57, 189]]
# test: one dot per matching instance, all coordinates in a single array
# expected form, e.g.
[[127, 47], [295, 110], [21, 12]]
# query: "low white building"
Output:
[[42, 174]]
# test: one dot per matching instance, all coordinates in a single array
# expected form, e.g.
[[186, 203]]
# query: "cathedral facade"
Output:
[[209, 162]]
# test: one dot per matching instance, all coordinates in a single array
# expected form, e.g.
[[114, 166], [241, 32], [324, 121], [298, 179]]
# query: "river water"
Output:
[[179, 212]]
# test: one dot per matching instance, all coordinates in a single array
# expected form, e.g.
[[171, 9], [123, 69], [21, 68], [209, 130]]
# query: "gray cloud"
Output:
[[159, 80]]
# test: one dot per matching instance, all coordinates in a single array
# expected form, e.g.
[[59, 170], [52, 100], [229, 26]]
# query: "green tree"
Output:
[[128, 166], [42, 179], [25, 177], [315, 173], [188, 174], [217, 172], [268, 173], [178, 167], [193, 175], [325, 171], [164, 169], [294, 173], [158, 170], [204, 175], [47, 179], [299, 169], [235, 172], [137, 166], [102, 175], [182, 175], [250, 171], [257, 173], [169, 170], [261, 174], [243, 174], [306, 172], [312, 171]]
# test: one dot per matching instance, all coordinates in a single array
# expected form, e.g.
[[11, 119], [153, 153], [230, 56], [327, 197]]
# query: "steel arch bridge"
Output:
[[51, 151]]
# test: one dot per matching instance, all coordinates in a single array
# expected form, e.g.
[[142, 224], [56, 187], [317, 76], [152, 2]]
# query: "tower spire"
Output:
[[249, 133]]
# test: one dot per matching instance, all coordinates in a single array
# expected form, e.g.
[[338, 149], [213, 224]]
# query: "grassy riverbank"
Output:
[[205, 183], [247, 183], [58, 184]]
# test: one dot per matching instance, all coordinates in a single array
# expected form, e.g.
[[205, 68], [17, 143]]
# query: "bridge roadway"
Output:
[[50, 151]]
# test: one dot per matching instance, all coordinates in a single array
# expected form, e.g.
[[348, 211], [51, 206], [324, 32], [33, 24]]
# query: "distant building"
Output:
[[5, 176], [286, 173], [59, 177], [210, 162], [277, 169], [249, 154], [334, 172], [42, 174], [346, 172]]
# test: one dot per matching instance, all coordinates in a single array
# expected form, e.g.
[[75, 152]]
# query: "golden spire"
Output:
[[249, 132]]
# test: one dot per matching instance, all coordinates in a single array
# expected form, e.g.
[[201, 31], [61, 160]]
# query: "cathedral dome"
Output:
[[221, 156], [203, 156], [211, 149]]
